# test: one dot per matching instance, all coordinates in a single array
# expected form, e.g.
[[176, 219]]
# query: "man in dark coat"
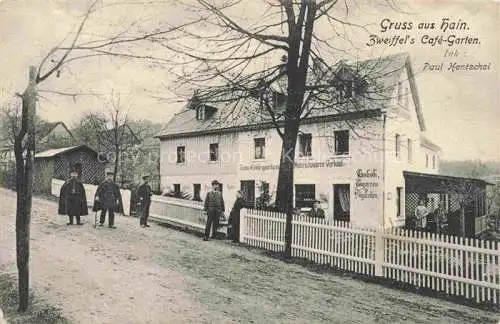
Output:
[[316, 211], [144, 194], [72, 199], [108, 199], [234, 216], [214, 207]]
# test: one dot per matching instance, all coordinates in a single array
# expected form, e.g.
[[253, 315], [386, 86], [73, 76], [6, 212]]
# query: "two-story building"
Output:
[[355, 161]]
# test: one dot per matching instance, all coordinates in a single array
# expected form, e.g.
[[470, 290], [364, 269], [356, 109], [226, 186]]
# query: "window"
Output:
[[248, 189], [433, 161], [278, 99], [400, 92], [349, 89], [200, 112], [260, 146], [410, 150], [214, 152], [305, 145], [341, 202], [426, 160], [398, 145], [305, 195], [405, 99], [181, 154], [341, 142], [177, 189], [346, 89], [196, 192], [264, 198], [398, 200]]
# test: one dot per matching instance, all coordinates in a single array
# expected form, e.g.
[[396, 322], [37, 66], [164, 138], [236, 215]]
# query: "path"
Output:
[[159, 275]]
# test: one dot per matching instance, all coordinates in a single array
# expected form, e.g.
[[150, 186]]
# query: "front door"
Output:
[[247, 187]]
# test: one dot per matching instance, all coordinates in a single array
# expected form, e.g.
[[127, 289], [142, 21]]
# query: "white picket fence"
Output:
[[453, 265]]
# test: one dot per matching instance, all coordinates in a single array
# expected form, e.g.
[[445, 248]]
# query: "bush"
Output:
[[8, 177]]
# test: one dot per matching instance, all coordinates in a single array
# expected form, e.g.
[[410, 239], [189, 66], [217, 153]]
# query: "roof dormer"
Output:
[[204, 112]]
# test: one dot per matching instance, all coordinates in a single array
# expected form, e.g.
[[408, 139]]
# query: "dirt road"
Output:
[[159, 275]]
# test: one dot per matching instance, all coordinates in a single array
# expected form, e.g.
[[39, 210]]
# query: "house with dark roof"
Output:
[[358, 148]]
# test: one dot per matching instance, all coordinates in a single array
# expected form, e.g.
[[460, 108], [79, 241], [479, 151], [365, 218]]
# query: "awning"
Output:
[[436, 183]]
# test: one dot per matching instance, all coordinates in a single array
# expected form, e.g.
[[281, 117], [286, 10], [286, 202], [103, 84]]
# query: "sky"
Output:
[[461, 109]]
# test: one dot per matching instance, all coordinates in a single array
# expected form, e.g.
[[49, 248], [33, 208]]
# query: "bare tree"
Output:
[[112, 133], [116, 45], [231, 55]]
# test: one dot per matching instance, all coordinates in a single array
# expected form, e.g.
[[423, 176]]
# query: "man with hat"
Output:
[[144, 193], [72, 199], [316, 211], [214, 207], [108, 199]]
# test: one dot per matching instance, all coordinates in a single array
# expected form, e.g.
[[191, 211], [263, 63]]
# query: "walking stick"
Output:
[[95, 219]]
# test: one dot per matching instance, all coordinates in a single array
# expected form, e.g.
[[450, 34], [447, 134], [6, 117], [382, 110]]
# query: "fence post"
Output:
[[243, 220], [379, 251]]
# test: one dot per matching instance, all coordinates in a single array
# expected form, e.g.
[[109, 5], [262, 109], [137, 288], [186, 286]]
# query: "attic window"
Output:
[[400, 93], [348, 89], [200, 113], [406, 94], [278, 99]]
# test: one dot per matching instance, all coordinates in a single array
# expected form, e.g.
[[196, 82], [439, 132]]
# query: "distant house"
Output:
[[48, 136], [53, 135], [56, 163]]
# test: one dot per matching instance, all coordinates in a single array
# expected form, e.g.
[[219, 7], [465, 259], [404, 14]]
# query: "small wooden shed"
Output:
[[56, 163]]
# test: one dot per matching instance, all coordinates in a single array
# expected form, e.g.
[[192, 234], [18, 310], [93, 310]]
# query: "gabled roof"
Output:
[[424, 141], [130, 132], [56, 152], [234, 113], [45, 128]]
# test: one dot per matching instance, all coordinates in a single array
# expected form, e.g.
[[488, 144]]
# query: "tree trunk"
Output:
[[24, 187], [284, 192], [117, 160]]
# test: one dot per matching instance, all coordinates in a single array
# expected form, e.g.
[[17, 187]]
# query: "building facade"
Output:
[[353, 162]]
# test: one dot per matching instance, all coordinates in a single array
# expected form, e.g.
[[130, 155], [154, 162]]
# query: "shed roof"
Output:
[[56, 152]]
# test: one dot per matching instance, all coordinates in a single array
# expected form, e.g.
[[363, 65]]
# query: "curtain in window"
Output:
[[344, 198]]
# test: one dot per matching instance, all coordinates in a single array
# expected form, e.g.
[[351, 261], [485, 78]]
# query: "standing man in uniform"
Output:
[[108, 199], [144, 193], [72, 199], [214, 207]]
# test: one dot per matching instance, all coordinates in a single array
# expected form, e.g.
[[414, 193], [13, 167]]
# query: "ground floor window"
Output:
[[196, 192], [305, 195], [341, 202], [399, 191], [177, 189], [247, 188], [264, 198]]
